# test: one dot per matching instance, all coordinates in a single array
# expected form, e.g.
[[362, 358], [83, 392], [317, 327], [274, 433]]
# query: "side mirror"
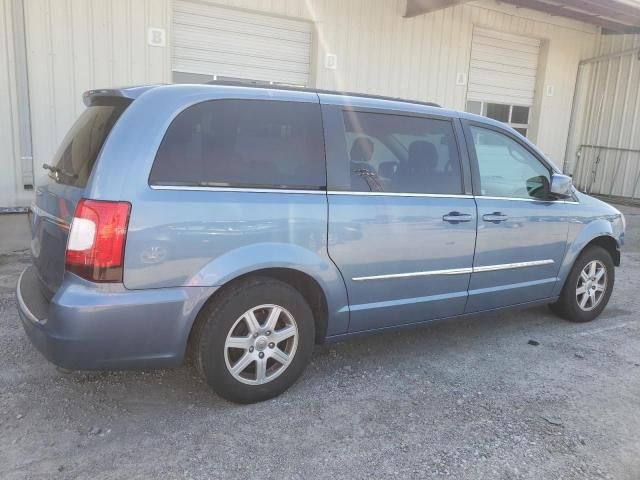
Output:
[[560, 185]]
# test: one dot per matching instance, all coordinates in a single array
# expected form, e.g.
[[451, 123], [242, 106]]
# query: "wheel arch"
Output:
[[609, 244], [600, 233], [304, 283]]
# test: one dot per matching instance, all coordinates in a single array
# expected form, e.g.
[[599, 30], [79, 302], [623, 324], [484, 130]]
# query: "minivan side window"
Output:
[[243, 143], [507, 169], [400, 154]]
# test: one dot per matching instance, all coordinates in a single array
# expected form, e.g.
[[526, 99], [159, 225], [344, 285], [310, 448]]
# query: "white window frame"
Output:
[[483, 112]]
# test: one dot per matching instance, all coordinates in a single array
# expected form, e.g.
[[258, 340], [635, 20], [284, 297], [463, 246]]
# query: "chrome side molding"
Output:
[[342, 192], [457, 271], [450, 271], [236, 189], [507, 266]]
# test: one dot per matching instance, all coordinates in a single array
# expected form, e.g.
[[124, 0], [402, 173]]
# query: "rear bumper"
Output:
[[90, 326]]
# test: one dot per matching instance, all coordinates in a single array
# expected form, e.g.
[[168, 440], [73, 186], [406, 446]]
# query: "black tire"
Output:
[[207, 342], [567, 305]]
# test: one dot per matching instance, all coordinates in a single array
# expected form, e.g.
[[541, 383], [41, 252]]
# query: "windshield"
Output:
[[79, 149]]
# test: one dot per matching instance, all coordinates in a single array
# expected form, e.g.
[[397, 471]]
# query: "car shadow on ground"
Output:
[[409, 349]]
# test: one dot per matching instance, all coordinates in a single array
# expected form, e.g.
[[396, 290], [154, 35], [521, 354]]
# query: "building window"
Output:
[[516, 116], [190, 78]]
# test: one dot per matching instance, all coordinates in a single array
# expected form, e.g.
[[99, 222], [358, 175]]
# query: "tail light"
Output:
[[95, 249]]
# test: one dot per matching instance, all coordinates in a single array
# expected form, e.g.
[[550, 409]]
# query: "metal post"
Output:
[[22, 94]]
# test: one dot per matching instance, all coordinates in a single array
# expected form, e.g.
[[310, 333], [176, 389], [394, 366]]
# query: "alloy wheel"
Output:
[[592, 285], [261, 344]]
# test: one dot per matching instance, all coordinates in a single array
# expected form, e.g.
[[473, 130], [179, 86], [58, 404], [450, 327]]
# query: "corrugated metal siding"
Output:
[[9, 154], [604, 151], [230, 42], [76, 45], [503, 67]]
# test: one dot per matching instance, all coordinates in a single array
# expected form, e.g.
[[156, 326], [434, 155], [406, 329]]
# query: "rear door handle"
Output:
[[495, 217], [457, 217]]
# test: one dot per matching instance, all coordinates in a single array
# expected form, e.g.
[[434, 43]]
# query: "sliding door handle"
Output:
[[457, 217], [495, 217]]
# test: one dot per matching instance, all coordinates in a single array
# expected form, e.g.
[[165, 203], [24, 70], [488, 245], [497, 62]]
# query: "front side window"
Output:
[[243, 143], [506, 168], [401, 154]]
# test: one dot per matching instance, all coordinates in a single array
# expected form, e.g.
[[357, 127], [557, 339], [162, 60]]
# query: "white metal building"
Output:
[[504, 60], [604, 149]]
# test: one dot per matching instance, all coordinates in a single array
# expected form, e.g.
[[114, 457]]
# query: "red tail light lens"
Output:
[[95, 249]]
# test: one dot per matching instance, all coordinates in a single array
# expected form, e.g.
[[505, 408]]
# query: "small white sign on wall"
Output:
[[461, 79], [156, 37], [331, 61]]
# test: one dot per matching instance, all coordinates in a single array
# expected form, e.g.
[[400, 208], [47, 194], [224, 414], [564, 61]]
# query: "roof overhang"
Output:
[[614, 16]]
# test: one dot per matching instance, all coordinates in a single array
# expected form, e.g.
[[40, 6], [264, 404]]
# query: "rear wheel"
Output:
[[254, 341], [588, 286]]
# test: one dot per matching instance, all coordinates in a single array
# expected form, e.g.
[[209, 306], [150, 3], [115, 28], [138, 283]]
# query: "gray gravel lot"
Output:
[[464, 399]]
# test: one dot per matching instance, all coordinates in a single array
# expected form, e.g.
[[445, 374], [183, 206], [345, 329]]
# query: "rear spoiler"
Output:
[[114, 96]]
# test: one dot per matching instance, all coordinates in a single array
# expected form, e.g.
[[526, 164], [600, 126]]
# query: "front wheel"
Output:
[[254, 340], [588, 286]]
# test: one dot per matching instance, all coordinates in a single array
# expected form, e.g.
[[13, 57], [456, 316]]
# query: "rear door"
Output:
[[55, 202], [402, 224], [522, 232]]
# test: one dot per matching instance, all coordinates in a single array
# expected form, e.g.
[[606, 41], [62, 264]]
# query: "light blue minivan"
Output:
[[240, 225]]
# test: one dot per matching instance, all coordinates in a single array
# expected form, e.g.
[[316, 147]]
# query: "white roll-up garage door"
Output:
[[232, 43], [503, 68]]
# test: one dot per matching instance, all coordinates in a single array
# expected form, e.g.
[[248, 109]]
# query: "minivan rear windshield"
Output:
[[79, 149]]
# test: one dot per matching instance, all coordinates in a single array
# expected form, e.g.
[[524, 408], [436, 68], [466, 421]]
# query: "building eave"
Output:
[[613, 16]]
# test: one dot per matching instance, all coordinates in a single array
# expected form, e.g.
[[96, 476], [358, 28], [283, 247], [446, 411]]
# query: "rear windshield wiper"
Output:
[[59, 171]]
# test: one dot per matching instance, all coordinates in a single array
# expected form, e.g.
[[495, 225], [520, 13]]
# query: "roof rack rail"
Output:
[[316, 90]]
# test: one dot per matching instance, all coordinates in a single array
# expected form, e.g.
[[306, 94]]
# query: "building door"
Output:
[[219, 43], [502, 77]]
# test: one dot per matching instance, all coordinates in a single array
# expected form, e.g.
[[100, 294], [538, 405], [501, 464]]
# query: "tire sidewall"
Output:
[[573, 310], [218, 322]]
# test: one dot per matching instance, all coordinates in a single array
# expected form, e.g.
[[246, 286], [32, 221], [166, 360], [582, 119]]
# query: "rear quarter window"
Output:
[[79, 150], [243, 143]]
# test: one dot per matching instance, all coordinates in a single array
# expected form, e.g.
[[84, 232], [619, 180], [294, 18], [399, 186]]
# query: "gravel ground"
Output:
[[463, 399]]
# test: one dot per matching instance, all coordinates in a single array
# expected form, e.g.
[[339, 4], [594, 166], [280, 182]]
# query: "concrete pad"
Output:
[[14, 232]]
